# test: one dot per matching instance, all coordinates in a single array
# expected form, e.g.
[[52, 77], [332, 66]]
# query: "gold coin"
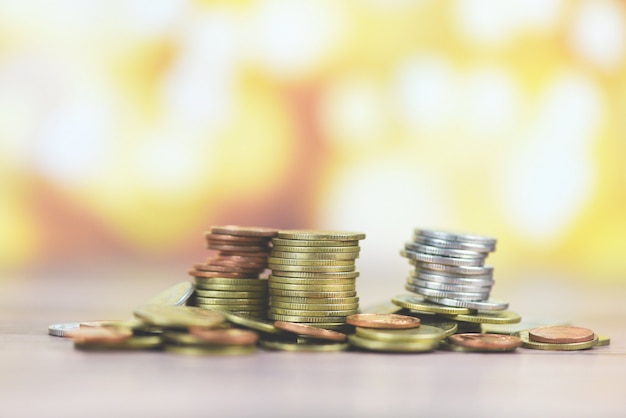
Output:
[[312, 235], [488, 317], [300, 280], [383, 321], [298, 312], [297, 318], [252, 282], [226, 350], [223, 294], [603, 340], [318, 275], [178, 316], [231, 308], [229, 287], [250, 323], [246, 301], [244, 231], [275, 261], [423, 333], [314, 256], [314, 287], [528, 343], [212, 337], [289, 346], [314, 306], [311, 269], [448, 326], [336, 326], [281, 242], [311, 332], [393, 346], [133, 343], [315, 301], [419, 304], [312, 294]]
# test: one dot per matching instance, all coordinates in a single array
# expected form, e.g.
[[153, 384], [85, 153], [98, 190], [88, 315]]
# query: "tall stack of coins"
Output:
[[231, 279], [313, 277], [450, 269]]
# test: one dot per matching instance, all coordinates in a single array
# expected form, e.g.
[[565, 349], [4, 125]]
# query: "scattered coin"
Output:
[[393, 346], [488, 317], [218, 350], [290, 346], [486, 342], [384, 321], [561, 334], [536, 345], [420, 334], [310, 331], [96, 335], [177, 294], [420, 304], [178, 316], [133, 343], [63, 330]]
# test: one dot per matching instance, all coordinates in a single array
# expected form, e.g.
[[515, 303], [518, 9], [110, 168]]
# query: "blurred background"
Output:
[[128, 128]]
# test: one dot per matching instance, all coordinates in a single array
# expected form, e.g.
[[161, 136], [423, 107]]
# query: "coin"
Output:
[[315, 300], [314, 306], [261, 284], [311, 269], [304, 262], [486, 342], [488, 317], [225, 350], [178, 316], [310, 235], [313, 294], [289, 346], [524, 325], [313, 287], [133, 343], [443, 251], [216, 274], [177, 294], [448, 326], [245, 231], [318, 275], [483, 305], [460, 270], [305, 281], [536, 345], [249, 323], [419, 304], [281, 242], [252, 271], [392, 346], [461, 245], [350, 251], [223, 294], [309, 331], [63, 330], [561, 334], [454, 236], [100, 335], [603, 340], [301, 312], [314, 255], [443, 278], [244, 301], [449, 287], [440, 259], [298, 318], [235, 239], [384, 321], [469, 296], [422, 333]]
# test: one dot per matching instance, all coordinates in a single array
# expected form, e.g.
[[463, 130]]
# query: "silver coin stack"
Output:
[[450, 269]]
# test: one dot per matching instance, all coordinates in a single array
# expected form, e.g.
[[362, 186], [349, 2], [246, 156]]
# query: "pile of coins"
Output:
[[313, 279], [231, 280], [450, 269]]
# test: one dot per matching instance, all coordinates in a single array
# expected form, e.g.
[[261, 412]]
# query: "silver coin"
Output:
[[63, 330], [446, 252], [176, 295], [453, 236], [485, 280], [460, 245], [487, 305], [439, 268], [424, 291], [447, 287], [438, 259]]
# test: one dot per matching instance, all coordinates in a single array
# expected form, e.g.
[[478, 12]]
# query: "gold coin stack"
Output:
[[313, 277], [231, 280]]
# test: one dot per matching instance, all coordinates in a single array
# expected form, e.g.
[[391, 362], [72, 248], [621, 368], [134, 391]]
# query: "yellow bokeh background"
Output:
[[127, 128]]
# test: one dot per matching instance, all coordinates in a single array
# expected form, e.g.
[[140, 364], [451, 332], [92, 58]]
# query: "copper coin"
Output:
[[232, 336], [227, 269], [235, 239], [383, 321], [197, 273], [244, 231], [486, 341], [309, 331], [100, 335], [236, 262], [561, 334]]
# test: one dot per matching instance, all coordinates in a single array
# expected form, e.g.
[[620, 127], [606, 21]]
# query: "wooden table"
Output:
[[42, 375]]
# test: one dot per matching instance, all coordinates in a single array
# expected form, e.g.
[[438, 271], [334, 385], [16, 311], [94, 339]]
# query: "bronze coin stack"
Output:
[[231, 279], [313, 278]]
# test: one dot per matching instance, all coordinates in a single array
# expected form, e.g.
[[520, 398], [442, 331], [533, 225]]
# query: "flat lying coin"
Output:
[[536, 345], [420, 304], [448, 326], [289, 346], [63, 330], [178, 316], [392, 346], [486, 342], [603, 340], [383, 321], [101, 335], [250, 323], [133, 343], [561, 334], [204, 336], [488, 317], [309, 331], [421, 334], [226, 350]]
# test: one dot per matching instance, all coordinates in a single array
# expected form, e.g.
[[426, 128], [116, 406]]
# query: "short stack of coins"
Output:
[[231, 280], [450, 269], [313, 279]]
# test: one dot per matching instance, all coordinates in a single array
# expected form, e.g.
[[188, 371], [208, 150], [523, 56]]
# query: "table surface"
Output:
[[41, 375]]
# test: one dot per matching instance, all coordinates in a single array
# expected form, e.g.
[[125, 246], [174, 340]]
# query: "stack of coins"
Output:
[[313, 277], [231, 280], [450, 269]]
